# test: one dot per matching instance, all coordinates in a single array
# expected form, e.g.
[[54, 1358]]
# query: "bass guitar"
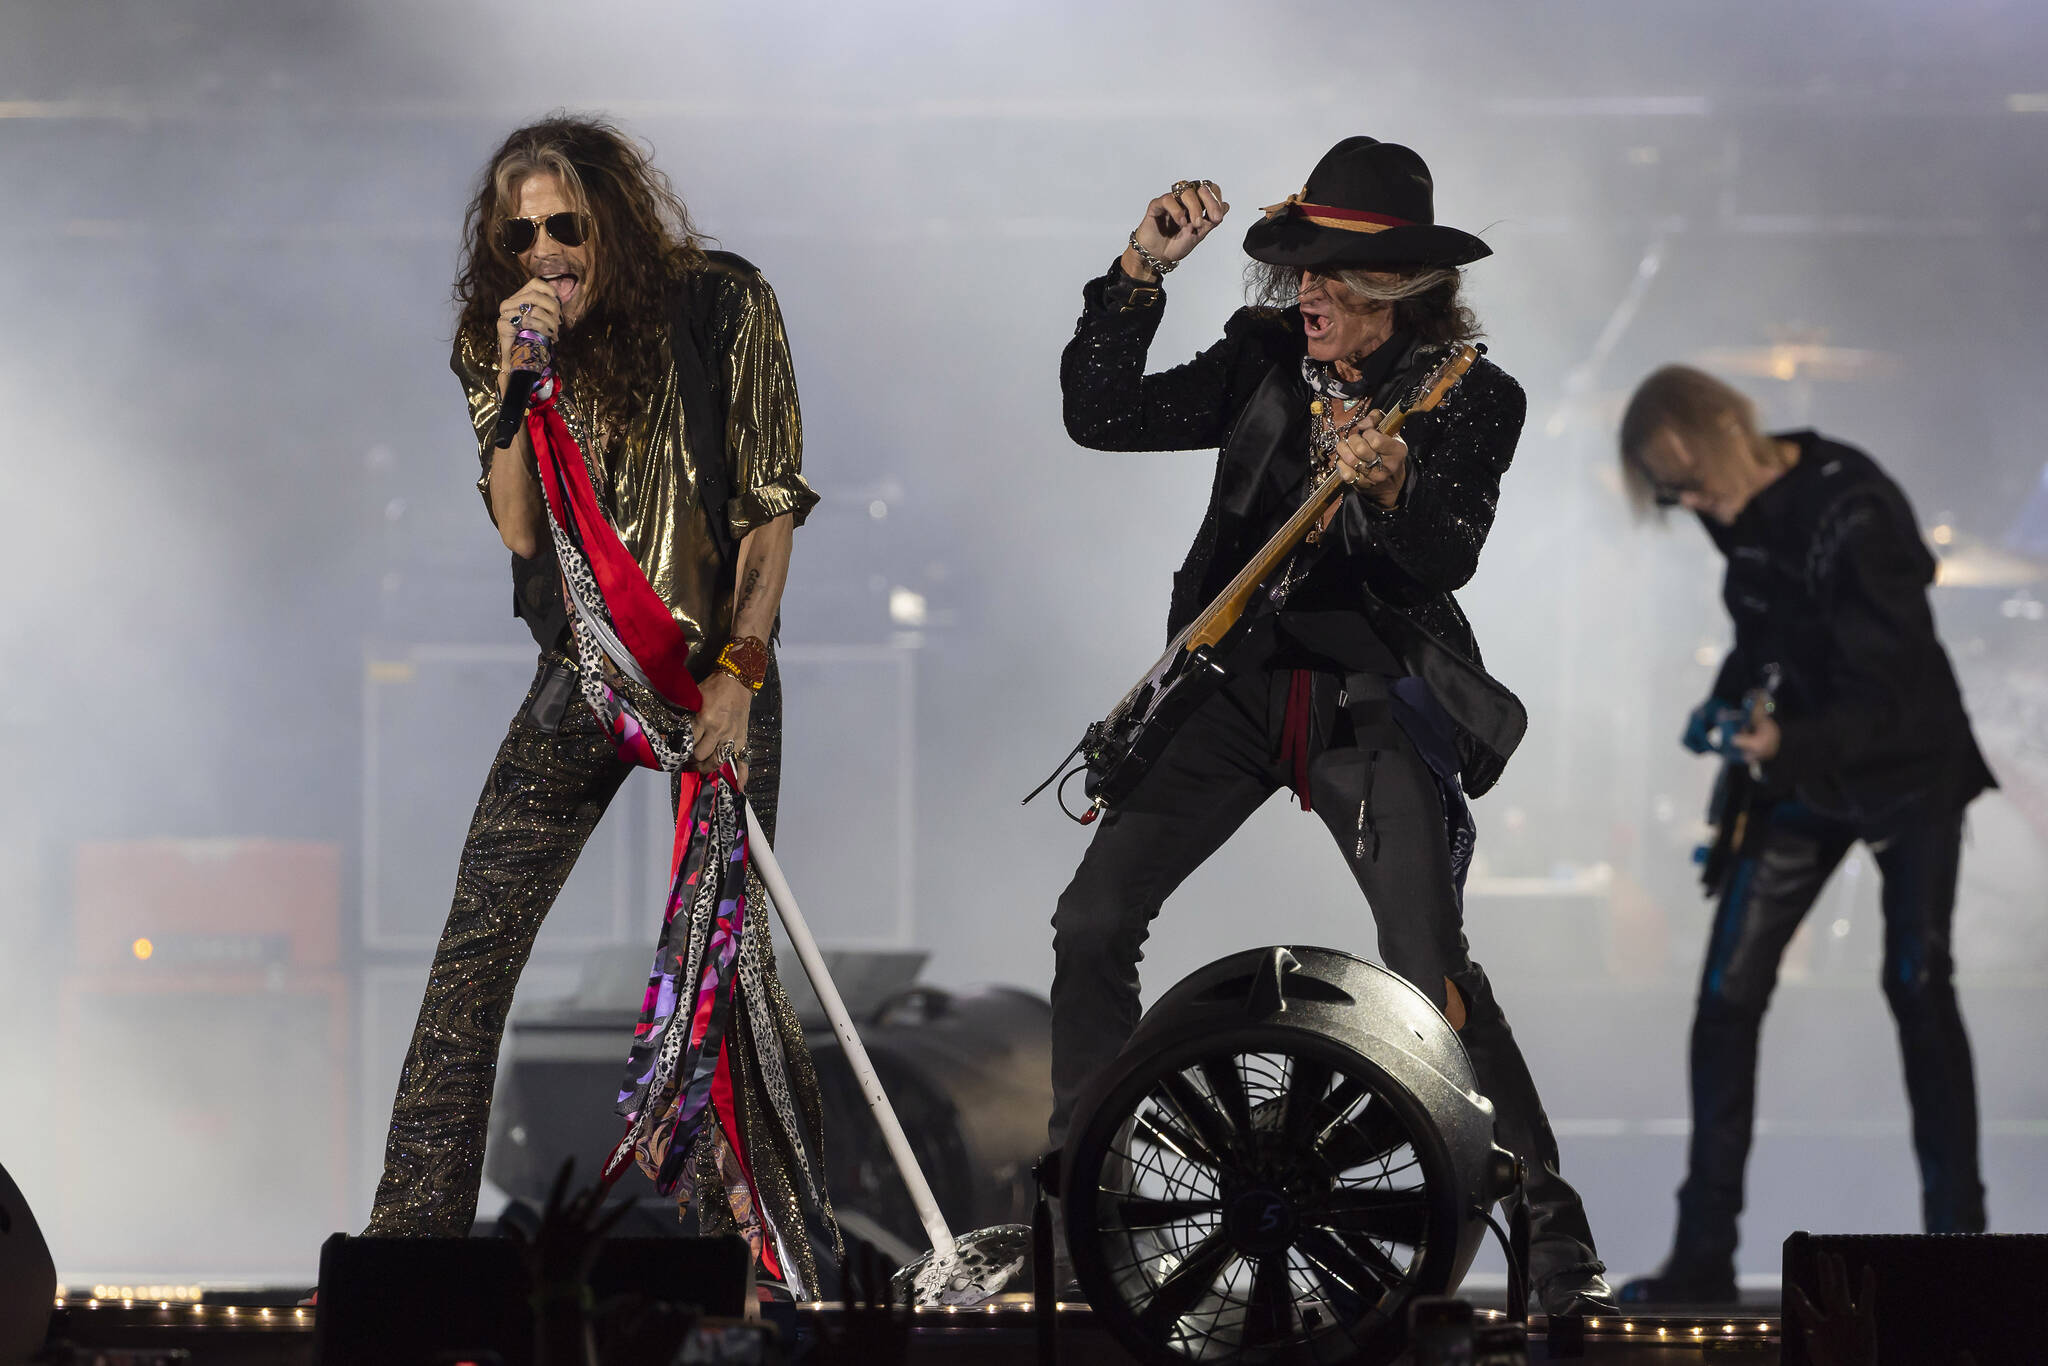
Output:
[[1121, 748], [1736, 786]]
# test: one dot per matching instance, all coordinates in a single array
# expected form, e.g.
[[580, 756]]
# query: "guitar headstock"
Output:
[[1431, 391], [1434, 386]]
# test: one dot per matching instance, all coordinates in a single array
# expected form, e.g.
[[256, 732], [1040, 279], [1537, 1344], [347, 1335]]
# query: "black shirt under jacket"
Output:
[[1382, 575], [1827, 579]]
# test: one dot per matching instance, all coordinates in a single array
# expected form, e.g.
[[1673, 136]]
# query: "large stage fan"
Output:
[[1288, 1151]]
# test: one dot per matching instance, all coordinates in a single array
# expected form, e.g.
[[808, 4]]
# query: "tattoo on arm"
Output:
[[747, 587]]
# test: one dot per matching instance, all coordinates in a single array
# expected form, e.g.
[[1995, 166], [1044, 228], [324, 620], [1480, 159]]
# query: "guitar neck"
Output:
[[1229, 607]]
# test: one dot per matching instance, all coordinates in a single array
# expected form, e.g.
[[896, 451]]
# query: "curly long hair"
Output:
[[642, 239], [1428, 301]]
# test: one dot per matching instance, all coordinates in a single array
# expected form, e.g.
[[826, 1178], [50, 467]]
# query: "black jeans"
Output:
[[1380, 801], [1768, 894]]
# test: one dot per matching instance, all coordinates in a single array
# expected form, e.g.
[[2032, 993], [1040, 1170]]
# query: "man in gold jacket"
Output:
[[575, 238]]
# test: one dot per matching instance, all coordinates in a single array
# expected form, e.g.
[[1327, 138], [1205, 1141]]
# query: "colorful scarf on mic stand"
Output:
[[634, 665]]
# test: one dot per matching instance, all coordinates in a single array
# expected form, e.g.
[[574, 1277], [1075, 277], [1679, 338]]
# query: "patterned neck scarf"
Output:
[[633, 666]]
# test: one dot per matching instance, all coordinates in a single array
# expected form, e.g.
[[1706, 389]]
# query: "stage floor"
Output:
[[266, 1327]]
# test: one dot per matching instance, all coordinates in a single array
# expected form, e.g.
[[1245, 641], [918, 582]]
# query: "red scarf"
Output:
[[665, 1113], [642, 620]]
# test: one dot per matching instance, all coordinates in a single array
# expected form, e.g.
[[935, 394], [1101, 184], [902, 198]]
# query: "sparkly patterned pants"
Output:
[[540, 803]]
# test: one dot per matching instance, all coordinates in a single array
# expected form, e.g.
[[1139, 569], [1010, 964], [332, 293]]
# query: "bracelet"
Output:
[[746, 658], [1152, 263]]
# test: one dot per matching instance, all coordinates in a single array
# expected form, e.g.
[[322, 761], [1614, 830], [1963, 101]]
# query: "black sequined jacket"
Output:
[[1827, 582], [1386, 574]]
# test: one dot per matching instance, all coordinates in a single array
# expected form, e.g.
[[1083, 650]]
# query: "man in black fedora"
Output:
[[1357, 297]]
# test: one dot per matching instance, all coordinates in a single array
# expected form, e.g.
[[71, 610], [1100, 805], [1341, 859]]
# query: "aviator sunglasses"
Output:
[[568, 228]]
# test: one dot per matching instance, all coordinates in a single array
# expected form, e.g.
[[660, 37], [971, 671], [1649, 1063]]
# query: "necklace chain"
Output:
[[1325, 435]]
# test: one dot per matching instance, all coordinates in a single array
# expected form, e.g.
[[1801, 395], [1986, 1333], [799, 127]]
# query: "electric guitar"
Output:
[[1734, 798], [1121, 748]]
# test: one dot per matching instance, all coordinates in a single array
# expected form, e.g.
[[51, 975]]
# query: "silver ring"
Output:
[[1376, 463]]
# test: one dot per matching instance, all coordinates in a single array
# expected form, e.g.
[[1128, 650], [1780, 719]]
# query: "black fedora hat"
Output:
[[1367, 203]]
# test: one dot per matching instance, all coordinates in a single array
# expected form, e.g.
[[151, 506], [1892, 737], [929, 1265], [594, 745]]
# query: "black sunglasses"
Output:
[[569, 228], [1671, 495]]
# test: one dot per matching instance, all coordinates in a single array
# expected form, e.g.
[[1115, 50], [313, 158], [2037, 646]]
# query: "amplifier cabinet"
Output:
[[214, 905]]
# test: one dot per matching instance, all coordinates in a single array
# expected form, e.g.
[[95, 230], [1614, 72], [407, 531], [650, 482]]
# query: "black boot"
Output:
[[1701, 1267], [1564, 1270]]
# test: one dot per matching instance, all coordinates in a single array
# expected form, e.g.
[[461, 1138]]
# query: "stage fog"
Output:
[[259, 645]]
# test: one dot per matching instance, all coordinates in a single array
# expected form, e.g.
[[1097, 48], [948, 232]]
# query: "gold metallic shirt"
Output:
[[645, 479]]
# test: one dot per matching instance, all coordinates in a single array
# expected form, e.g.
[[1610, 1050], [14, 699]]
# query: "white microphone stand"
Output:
[[957, 1271]]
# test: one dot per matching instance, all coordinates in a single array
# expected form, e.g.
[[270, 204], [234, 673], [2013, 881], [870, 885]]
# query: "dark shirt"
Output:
[[1304, 634], [1827, 579]]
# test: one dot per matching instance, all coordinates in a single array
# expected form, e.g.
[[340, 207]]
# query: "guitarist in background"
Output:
[[1864, 738], [1358, 683]]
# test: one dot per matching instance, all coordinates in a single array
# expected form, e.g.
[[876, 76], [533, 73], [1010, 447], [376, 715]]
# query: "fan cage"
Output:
[[1184, 1249]]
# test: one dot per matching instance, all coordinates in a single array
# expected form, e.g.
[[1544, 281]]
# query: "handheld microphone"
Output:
[[531, 355]]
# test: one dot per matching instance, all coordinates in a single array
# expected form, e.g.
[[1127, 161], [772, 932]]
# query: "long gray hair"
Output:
[[1427, 300]]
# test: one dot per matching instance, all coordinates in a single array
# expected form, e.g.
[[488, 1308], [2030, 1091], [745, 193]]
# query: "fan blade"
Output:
[[1398, 1216], [1184, 1289], [1343, 1273], [1210, 1125], [1137, 1211], [1270, 1315], [1228, 1085], [1366, 1137], [1389, 1271], [1162, 1134], [1308, 1079], [1343, 1096]]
